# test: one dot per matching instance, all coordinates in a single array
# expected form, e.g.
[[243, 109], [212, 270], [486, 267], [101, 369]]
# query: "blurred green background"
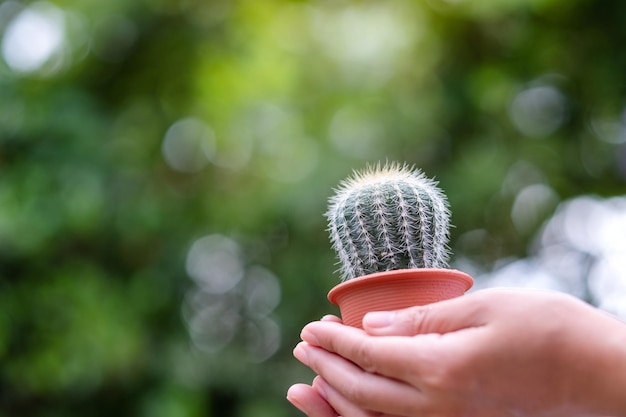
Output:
[[165, 167]]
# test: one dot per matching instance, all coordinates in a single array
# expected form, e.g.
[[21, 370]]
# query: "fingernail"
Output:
[[300, 353], [296, 404], [378, 319], [309, 337]]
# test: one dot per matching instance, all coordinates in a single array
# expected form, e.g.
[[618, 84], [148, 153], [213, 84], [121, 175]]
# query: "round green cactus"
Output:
[[387, 218]]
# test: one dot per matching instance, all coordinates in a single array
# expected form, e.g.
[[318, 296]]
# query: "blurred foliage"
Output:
[[134, 131]]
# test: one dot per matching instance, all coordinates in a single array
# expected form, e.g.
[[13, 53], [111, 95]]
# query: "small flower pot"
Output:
[[394, 290]]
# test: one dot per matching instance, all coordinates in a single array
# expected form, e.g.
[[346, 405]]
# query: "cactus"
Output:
[[388, 218]]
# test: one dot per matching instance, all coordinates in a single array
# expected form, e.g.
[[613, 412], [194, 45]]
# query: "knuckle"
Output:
[[442, 378], [356, 392], [438, 381], [363, 356], [416, 319]]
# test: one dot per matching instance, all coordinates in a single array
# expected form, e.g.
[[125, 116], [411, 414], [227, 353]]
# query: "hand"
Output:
[[490, 353], [307, 398]]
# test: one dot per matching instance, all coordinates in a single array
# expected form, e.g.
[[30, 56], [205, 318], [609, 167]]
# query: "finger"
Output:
[[341, 404], [393, 356], [308, 400], [330, 317], [338, 402], [366, 390], [442, 317]]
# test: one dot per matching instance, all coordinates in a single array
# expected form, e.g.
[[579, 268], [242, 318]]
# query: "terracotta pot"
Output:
[[393, 290]]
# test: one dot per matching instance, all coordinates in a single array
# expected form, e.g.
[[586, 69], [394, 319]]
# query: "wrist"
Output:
[[606, 384]]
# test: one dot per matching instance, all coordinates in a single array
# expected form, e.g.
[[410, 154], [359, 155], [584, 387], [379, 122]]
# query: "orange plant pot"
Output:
[[394, 290]]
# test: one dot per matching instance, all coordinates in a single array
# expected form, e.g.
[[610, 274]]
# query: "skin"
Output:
[[492, 353]]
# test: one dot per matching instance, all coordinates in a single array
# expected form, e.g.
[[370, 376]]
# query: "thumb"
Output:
[[441, 317]]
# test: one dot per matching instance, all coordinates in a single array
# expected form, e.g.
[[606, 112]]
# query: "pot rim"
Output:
[[400, 274]]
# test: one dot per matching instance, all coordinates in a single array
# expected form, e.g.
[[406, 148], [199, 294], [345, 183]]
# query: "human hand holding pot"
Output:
[[490, 353]]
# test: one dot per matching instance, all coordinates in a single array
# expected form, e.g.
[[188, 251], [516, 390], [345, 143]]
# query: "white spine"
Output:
[[387, 218]]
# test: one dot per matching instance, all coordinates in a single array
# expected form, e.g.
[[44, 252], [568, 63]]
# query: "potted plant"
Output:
[[389, 226]]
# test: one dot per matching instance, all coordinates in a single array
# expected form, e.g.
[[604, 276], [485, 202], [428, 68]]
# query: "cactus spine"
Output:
[[388, 218]]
